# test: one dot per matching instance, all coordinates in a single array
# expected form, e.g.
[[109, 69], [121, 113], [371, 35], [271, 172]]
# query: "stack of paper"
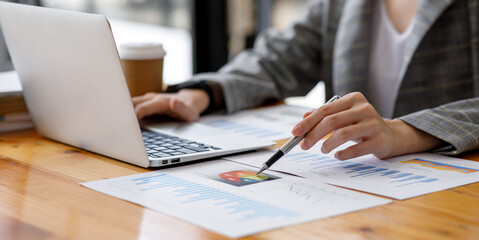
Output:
[[13, 110]]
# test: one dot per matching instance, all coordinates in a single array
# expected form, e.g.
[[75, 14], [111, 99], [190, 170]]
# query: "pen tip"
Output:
[[261, 170]]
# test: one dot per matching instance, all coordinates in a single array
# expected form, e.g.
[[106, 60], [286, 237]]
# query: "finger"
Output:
[[313, 119], [341, 136], [145, 97], [357, 150], [295, 129], [152, 106], [331, 123], [308, 113], [182, 110]]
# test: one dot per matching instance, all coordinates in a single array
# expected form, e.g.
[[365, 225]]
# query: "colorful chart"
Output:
[[440, 166], [242, 177]]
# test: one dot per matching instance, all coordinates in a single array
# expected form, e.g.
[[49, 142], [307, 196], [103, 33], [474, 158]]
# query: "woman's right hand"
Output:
[[353, 118], [186, 104]]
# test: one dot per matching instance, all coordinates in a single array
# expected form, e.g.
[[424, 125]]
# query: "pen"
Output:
[[290, 144]]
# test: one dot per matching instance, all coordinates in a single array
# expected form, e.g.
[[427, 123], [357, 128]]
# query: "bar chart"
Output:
[[357, 170], [239, 208], [191, 194], [400, 177], [397, 178]]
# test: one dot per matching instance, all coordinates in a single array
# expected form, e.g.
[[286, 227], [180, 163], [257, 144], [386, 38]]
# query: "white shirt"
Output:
[[386, 56]]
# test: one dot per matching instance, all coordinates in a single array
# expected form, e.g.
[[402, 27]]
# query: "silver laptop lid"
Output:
[[73, 80]]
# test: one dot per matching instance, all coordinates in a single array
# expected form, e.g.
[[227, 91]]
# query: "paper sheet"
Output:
[[228, 198], [400, 177], [9, 82], [269, 123]]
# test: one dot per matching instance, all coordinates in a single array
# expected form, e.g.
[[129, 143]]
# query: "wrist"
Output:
[[409, 139]]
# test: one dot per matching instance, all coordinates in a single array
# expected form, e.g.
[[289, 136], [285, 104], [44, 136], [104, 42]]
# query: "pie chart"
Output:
[[242, 177]]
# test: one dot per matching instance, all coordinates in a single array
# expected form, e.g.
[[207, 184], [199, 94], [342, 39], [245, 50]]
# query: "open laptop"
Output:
[[76, 92]]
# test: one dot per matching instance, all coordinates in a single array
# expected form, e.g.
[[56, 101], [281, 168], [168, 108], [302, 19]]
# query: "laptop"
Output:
[[76, 93]]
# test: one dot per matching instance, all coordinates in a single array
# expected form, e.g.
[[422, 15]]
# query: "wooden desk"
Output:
[[40, 198]]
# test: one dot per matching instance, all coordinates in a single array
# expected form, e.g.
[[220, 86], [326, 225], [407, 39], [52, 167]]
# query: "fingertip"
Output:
[[337, 155], [297, 130], [305, 145], [323, 150]]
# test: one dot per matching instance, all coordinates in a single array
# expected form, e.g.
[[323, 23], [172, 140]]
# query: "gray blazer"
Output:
[[439, 93]]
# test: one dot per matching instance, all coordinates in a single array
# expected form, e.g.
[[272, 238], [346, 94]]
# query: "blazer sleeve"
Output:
[[456, 123], [280, 64]]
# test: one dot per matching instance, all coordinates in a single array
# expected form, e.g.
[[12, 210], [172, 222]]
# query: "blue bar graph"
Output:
[[389, 173], [357, 170], [370, 172], [401, 175], [427, 180], [409, 178], [187, 192], [353, 165], [396, 177], [361, 168]]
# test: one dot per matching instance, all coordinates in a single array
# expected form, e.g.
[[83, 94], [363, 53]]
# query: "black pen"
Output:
[[290, 144]]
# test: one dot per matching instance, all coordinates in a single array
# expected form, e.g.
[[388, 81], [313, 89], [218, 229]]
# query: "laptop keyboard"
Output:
[[159, 145]]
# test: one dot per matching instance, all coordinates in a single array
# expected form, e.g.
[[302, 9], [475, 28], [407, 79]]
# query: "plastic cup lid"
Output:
[[141, 51]]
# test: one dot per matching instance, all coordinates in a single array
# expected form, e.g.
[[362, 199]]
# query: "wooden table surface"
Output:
[[41, 198]]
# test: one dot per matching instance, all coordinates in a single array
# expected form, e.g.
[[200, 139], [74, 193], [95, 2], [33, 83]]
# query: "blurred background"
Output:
[[199, 35]]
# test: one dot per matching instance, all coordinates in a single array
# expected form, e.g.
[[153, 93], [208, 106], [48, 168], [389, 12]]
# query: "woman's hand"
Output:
[[186, 104], [353, 118]]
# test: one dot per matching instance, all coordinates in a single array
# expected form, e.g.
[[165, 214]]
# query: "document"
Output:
[[9, 83], [399, 177], [269, 123], [228, 198]]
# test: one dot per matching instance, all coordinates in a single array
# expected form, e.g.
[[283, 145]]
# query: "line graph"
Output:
[[440, 166]]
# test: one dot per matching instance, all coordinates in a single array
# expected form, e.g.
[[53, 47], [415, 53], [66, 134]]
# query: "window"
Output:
[[164, 21], [169, 13], [247, 18]]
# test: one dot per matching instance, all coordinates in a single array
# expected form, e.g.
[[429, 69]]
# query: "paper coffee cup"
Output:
[[143, 67]]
